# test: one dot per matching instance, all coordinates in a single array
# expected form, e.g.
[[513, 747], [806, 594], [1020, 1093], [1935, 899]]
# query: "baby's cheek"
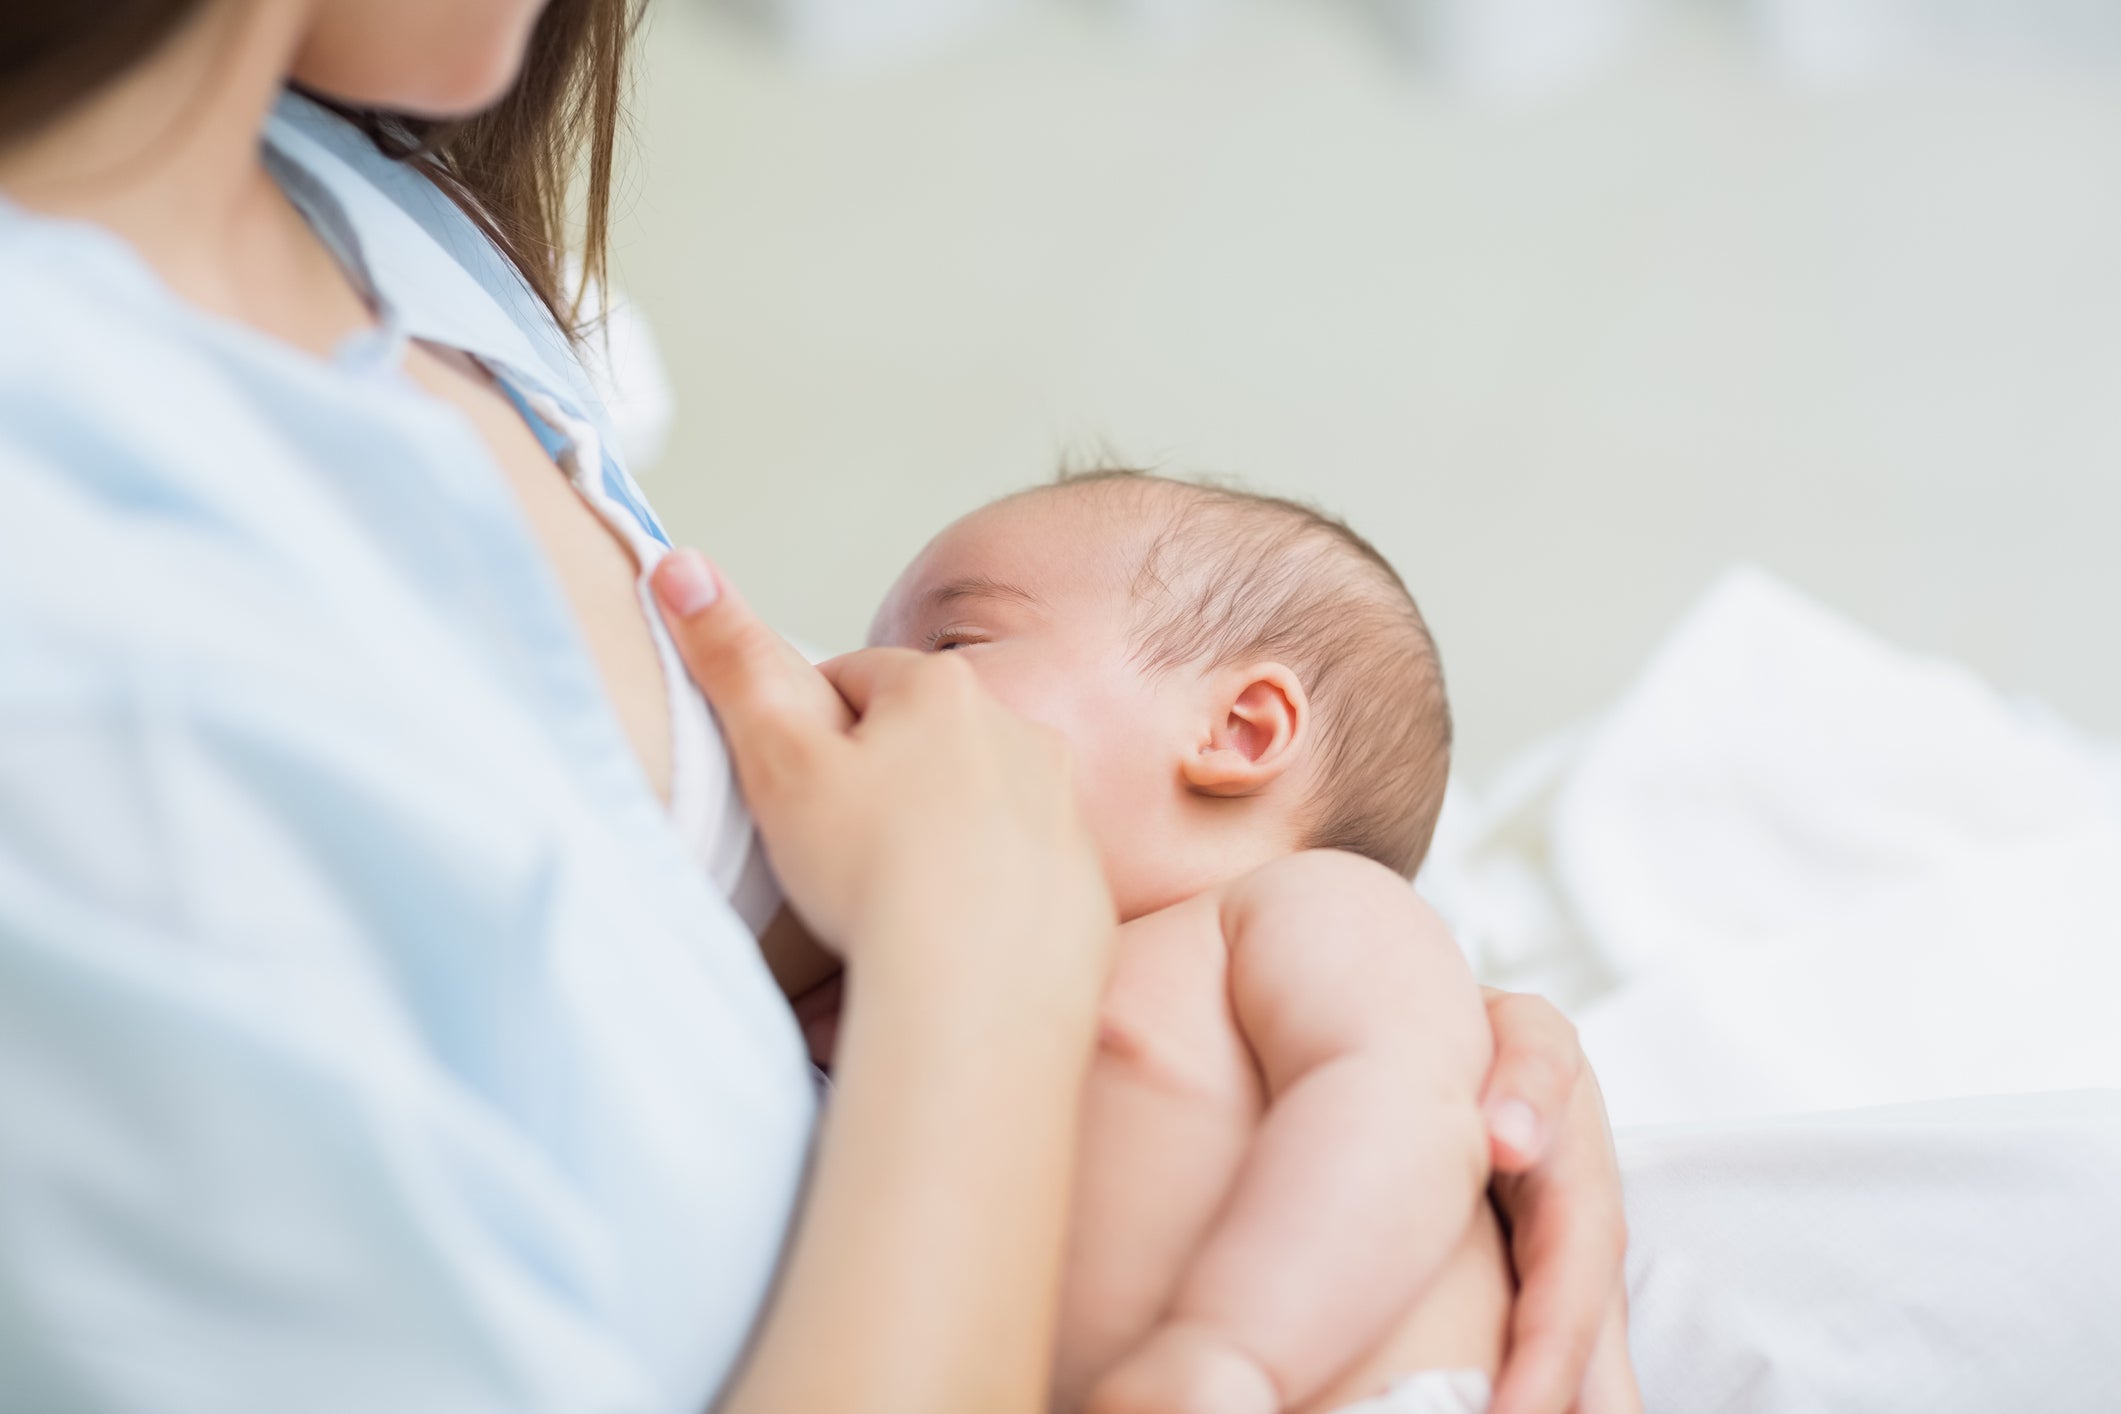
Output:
[[1116, 778], [1011, 689], [1101, 732], [1031, 691]]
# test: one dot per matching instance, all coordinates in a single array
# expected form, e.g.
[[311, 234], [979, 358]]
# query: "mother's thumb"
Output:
[[760, 687]]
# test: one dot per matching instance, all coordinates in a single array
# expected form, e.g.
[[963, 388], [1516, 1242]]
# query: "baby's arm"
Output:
[[1373, 1043]]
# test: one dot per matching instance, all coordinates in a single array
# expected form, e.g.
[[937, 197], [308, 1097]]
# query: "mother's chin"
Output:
[[431, 60]]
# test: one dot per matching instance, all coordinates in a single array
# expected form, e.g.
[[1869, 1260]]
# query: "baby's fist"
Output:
[[1182, 1369]]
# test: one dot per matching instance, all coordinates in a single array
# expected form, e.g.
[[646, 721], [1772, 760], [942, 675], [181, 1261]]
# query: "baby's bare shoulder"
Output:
[[1329, 895], [1331, 953]]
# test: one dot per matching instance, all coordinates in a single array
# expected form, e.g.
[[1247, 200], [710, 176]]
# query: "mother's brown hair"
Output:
[[511, 168]]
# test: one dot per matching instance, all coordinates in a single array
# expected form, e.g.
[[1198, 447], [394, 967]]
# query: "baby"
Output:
[[1281, 1201]]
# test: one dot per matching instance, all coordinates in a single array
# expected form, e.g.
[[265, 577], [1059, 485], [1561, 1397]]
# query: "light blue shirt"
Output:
[[368, 1041]]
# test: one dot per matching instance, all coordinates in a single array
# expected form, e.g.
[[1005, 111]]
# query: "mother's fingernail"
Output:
[[1514, 1123], [685, 583]]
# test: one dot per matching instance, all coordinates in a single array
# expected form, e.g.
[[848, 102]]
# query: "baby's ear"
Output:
[[1258, 720]]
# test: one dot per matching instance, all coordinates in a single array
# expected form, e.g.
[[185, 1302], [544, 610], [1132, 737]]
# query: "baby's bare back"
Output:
[[1174, 1101]]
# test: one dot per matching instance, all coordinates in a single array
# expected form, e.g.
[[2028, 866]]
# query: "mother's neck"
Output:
[[166, 156]]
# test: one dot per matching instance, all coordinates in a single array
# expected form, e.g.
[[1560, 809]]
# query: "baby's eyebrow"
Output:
[[976, 586]]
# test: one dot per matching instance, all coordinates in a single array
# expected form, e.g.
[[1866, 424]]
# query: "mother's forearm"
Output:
[[925, 1269]]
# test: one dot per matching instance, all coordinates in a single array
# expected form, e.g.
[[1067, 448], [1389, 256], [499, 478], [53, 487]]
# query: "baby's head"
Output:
[[1239, 676]]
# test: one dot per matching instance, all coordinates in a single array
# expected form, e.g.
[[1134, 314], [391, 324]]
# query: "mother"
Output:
[[371, 1035]]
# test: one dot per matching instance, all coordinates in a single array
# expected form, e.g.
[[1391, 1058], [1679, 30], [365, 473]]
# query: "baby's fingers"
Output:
[[776, 710]]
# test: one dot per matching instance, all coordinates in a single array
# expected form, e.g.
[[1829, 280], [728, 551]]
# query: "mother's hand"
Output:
[[931, 838], [1558, 1185], [905, 810]]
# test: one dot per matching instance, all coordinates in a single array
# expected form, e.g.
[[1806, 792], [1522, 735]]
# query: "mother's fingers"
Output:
[[871, 675], [1568, 1240], [773, 706], [1538, 1064], [1610, 1388], [1558, 1184], [1568, 1268]]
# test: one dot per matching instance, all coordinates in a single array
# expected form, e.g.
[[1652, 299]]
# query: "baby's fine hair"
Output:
[[1234, 577]]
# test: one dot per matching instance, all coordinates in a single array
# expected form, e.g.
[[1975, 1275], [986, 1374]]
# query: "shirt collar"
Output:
[[431, 272]]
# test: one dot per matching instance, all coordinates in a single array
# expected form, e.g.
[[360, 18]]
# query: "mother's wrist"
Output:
[[1056, 974]]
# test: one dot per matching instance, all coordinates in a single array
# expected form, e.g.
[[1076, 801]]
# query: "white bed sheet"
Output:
[[1961, 1257], [1794, 871]]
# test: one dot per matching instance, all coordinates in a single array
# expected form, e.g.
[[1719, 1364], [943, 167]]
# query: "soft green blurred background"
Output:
[[1561, 358]]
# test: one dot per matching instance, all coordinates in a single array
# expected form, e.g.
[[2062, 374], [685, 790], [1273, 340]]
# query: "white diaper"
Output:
[[1430, 1392]]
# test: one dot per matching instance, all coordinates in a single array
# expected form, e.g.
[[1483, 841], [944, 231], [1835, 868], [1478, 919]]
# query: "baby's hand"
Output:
[[1185, 1369]]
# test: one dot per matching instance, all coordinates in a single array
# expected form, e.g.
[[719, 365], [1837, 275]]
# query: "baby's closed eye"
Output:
[[944, 640]]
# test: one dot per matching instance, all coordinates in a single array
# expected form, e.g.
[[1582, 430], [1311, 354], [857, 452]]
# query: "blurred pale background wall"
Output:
[[1562, 360]]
